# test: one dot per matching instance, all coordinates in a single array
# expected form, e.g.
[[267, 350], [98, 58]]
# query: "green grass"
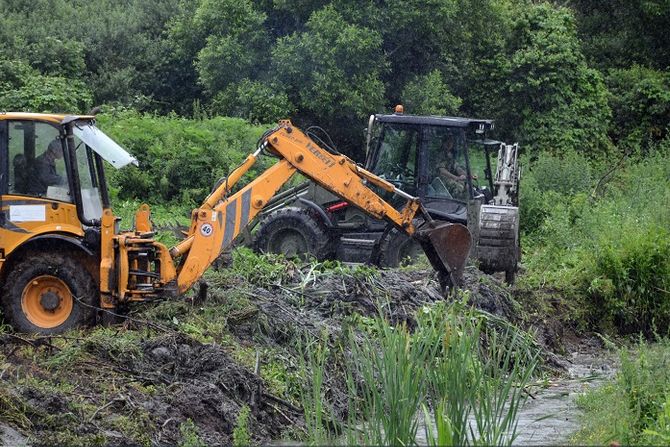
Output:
[[634, 407]]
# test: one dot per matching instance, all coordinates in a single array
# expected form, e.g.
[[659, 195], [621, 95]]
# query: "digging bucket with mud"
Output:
[[447, 247]]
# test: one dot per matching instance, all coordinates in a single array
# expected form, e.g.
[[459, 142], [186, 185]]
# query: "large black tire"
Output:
[[396, 249], [49, 293], [294, 232]]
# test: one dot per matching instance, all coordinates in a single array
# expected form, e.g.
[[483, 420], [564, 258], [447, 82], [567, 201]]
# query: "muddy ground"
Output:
[[182, 372]]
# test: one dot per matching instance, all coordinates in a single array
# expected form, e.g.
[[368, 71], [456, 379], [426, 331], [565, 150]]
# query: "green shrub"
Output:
[[180, 159], [189, 435], [613, 248], [631, 280], [26, 90]]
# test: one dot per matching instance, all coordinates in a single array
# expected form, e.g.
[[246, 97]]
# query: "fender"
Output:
[[73, 241], [311, 205]]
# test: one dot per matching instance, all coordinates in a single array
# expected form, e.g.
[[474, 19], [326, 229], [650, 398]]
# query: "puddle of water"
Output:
[[553, 416]]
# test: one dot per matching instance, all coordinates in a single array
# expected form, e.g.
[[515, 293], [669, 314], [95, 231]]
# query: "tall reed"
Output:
[[391, 366], [312, 363], [460, 377]]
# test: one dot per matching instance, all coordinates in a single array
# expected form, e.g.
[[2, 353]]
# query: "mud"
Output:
[[396, 294], [148, 390], [172, 379]]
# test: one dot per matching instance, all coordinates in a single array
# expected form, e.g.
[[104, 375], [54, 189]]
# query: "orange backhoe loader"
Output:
[[63, 256]]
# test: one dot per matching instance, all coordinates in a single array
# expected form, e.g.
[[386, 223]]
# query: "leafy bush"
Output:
[[24, 89], [631, 280], [180, 160], [612, 250]]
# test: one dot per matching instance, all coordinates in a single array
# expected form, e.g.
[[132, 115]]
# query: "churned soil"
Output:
[[146, 382]]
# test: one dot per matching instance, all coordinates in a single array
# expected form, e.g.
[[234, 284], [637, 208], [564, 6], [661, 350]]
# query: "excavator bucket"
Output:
[[447, 246]]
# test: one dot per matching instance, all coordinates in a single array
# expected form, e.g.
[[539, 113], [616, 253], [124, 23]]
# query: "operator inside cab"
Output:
[[46, 173], [36, 156], [450, 174]]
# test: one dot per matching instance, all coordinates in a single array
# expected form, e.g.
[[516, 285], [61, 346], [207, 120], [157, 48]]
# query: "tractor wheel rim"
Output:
[[290, 243], [39, 304]]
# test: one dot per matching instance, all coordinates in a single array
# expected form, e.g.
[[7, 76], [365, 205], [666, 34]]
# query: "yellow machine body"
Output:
[[130, 266]]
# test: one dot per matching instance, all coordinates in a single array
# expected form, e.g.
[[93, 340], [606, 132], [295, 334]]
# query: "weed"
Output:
[[633, 408], [241, 436], [312, 357], [610, 248], [13, 410], [453, 373], [478, 375], [393, 382], [261, 270], [189, 435]]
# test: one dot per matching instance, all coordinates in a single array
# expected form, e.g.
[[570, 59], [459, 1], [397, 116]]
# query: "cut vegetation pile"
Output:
[[226, 368]]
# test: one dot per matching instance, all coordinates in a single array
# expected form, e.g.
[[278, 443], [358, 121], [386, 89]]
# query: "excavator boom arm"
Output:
[[224, 215]]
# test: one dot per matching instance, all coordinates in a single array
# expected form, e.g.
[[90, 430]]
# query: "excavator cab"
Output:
[[54, 159], [429, 156], [52, 196], [449, 163]]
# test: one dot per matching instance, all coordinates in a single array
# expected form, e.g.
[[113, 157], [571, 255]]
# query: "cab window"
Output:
[[88, 180], [36, 165], [395, 160], [447, 167]]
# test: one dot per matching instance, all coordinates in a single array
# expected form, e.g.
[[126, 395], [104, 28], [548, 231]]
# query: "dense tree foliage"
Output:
[[584, 75]]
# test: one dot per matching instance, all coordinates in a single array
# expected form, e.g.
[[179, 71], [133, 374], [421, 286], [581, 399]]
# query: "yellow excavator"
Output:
[[64, 259]]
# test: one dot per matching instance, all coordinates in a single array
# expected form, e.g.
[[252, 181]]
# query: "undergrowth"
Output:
[[634, 408], [180, 159], [603, 240]]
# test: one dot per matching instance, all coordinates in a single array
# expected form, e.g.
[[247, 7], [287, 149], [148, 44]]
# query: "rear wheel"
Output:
[[49, 293], [396, 248], [293, 232]]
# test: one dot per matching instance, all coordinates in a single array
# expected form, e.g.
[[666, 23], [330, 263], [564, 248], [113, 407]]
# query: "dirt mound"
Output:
[[206, 385], [281, 315], [322, 304], [144, 398], [164, 382]]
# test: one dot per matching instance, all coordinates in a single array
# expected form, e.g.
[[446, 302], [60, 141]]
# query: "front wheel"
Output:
[[49, 293], [293, 232]]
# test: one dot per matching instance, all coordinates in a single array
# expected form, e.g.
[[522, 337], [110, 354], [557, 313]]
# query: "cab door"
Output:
[[36, 197]]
